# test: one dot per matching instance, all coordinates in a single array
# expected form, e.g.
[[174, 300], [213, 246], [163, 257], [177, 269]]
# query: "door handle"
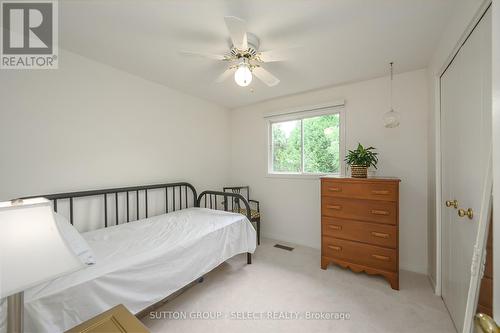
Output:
[[452, 203], [469, 213], [485, 323]]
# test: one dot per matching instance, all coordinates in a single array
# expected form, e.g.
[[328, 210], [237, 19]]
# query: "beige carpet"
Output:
[[282, 291]]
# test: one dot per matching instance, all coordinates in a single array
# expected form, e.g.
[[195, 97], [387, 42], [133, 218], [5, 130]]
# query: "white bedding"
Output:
[[138, 264]]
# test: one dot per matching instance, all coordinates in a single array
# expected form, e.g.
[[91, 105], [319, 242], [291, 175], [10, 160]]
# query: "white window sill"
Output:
[[299, 175]]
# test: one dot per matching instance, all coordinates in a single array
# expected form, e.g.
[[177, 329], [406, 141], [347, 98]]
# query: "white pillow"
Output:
[[74, 240]]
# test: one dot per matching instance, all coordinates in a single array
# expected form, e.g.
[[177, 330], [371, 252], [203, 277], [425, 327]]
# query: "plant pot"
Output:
[[359, 171]]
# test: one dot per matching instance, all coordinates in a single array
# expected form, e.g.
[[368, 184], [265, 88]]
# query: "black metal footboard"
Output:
[[227, 201]]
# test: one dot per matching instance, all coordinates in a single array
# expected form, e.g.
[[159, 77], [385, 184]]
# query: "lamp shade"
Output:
[[32, 250]]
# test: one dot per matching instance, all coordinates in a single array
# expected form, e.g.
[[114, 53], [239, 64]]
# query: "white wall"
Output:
[[87, 126], [459, 22], [291, 207], [431, 182]]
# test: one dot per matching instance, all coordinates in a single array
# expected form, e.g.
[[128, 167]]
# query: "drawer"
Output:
[[387, 191], [361, 210], [359, 253], [371, 233]]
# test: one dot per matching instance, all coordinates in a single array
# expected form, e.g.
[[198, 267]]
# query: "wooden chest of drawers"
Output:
[[360, 225]]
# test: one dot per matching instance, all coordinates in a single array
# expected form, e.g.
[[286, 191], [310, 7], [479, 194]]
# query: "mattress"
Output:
[[138, 264]]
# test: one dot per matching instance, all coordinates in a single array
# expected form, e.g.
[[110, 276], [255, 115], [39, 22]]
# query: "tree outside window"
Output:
[[310, 145]]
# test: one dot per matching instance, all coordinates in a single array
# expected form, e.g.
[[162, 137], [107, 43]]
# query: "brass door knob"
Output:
[[452, 203], [469, 213], [485, 324]]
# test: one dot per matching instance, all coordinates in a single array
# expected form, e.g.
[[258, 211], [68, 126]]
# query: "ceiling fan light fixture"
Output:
[[244, 58], [243, 75]]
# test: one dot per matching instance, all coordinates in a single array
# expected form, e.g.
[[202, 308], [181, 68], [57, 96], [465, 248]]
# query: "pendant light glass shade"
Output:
[[391, 118], [243, 75]]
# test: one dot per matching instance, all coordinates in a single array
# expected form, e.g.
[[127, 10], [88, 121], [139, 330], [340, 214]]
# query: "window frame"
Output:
[[301, 115]]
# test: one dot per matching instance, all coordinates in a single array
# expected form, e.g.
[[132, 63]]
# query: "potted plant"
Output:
[[360, 159]]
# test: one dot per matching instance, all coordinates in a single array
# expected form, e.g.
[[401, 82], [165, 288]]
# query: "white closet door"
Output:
[[466, 140]]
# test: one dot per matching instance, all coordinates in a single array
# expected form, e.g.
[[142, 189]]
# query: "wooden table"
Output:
[[116, 320]]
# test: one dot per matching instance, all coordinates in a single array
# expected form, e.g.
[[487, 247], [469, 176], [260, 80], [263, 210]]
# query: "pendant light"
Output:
[[391, 118]]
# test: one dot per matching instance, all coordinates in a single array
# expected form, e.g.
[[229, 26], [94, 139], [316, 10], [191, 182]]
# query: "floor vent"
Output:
[[283, 247]]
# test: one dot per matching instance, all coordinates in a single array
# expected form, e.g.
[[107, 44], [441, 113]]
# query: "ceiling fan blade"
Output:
[[238, 31], [223, 77], [276, 55], [266, 77], [204, 55]]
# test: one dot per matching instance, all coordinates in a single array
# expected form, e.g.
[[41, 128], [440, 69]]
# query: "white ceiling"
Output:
[[342, 40]]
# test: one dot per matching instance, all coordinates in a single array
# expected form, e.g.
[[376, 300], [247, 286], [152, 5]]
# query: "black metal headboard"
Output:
[[232, 202], [176, 198]]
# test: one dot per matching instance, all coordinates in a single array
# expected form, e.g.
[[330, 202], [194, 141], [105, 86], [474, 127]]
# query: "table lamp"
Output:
[[32, 251]]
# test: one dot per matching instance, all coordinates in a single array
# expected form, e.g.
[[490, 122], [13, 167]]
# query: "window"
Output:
[[306, 143]]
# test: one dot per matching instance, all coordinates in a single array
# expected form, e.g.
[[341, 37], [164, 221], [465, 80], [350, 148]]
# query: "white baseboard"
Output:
[[433, 284], [280, 238]]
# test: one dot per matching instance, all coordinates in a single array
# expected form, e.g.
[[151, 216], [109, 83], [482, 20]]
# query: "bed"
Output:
[[140, 263]]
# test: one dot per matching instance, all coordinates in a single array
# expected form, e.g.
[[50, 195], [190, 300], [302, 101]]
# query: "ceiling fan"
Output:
[[244, 56]]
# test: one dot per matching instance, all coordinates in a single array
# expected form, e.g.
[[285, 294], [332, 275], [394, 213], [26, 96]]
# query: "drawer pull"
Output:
[[336, 207], [335, 248], [380, 234], [335, 189], [335, 227], [378, 257], [380, 192], [379, 212]]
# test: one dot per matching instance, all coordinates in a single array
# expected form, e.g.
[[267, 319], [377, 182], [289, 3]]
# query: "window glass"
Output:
[[322, 144], [287, 152], [310, 145]]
